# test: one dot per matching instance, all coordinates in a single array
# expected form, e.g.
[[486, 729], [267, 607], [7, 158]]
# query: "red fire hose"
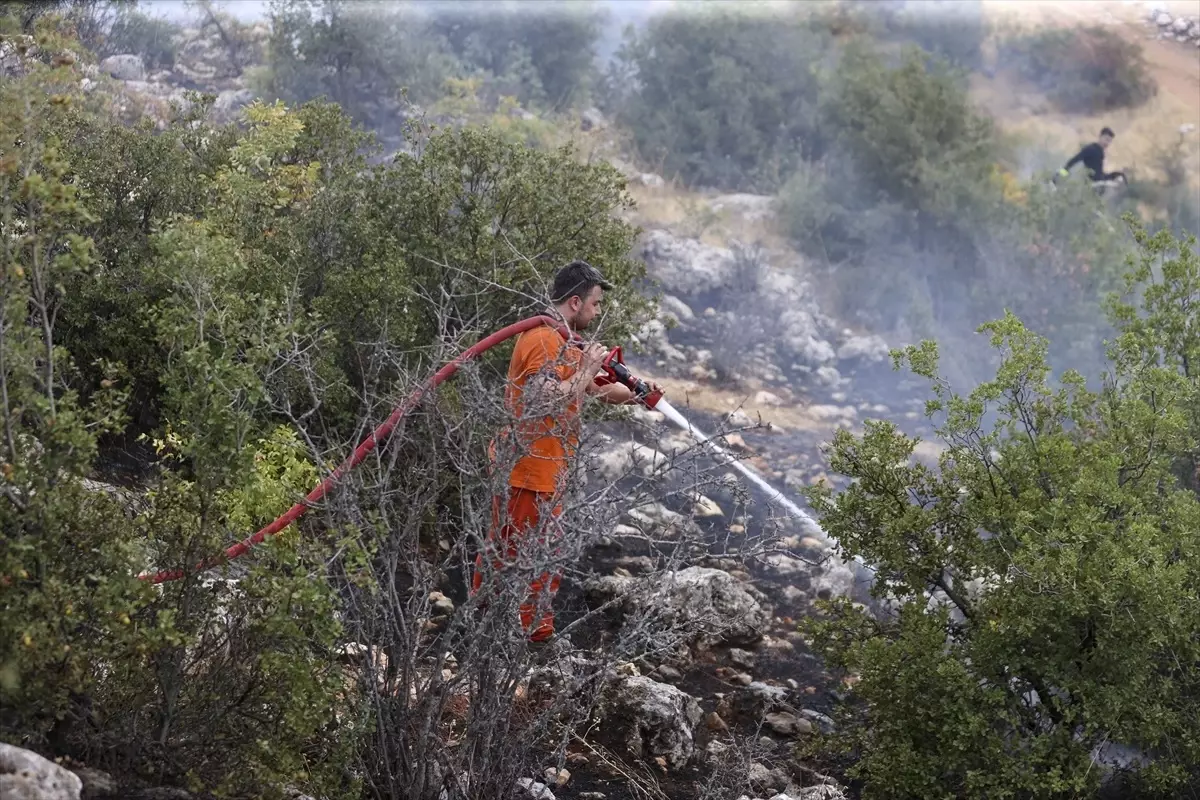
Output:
[[367, 445]]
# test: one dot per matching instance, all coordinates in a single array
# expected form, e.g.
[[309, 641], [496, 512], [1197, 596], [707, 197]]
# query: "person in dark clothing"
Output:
[[1092, 157]]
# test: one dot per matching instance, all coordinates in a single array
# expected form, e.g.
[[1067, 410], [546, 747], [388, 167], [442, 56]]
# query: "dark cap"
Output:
[[576, 278]]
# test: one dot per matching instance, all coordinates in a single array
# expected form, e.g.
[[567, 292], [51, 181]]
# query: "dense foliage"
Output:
[[721, 99], [221, 310], [195, 285], [544, 59], [368, 63], [1040, 585], [928, 231], [374, 59]]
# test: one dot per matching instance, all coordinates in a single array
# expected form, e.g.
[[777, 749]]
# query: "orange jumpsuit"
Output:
[[535, 483]]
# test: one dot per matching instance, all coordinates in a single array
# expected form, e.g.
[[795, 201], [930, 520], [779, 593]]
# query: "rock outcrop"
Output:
[[1183, 28], [656, 720], [24, 775], [768, 314], [711, 604]]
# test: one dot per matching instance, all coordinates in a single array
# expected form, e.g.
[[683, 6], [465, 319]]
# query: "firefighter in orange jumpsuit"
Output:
[[548, 379]]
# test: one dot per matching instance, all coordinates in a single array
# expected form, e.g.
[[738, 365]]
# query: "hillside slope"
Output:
[[1141, 132]]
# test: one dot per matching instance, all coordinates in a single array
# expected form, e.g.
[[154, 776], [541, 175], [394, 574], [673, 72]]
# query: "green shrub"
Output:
[[720, 98], [544, 57], [1041, 580], [911, 132], [1082, 71], [1174, 193], [366, 59], [196, 285], [94, 663]]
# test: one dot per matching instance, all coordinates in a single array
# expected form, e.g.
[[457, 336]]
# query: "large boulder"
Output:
[[709, 605], [25, 775], [125, 67], [686, 266], [656, 720]]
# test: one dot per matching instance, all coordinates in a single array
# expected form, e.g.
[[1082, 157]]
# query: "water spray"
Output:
[[615, 371], [726, 458]]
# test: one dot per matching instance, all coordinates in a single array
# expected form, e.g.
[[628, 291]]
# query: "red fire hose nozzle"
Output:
[[615, 371]]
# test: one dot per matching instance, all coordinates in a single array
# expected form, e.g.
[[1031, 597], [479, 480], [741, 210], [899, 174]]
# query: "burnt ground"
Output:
[[782, 661]]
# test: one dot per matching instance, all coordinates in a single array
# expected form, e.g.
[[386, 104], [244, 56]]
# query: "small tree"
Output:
[[1082, 71], [721, 98], [545, 57], [1038, 591], [367, 59]]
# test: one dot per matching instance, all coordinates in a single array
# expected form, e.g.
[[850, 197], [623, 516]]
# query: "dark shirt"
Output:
[[1092, 157]]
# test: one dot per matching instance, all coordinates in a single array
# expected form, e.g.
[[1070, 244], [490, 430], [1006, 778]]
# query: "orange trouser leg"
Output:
[[505, 537]]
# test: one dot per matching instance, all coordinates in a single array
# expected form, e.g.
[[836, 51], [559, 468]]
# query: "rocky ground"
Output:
[[745, 350]]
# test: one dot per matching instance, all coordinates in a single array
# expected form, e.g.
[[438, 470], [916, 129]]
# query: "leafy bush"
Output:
[[1082, 71], [721, 99], [545, 57], [1037, 591], [953, 29], [899, 194], [1174, 192], [911, 133], [95, 663]]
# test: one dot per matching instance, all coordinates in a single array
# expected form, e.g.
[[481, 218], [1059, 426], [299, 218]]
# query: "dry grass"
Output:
[[688, 213]]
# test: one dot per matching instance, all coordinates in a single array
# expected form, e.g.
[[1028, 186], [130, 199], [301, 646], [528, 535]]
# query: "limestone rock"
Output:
[[785, 723], [768, 780], [657, 721], [765, 398], [592, 120], [535, 790], [125, 67], [96, 784], [24, 775], [686, 265], [715, 606], [706, 507], [670, 305], [823, 792]]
